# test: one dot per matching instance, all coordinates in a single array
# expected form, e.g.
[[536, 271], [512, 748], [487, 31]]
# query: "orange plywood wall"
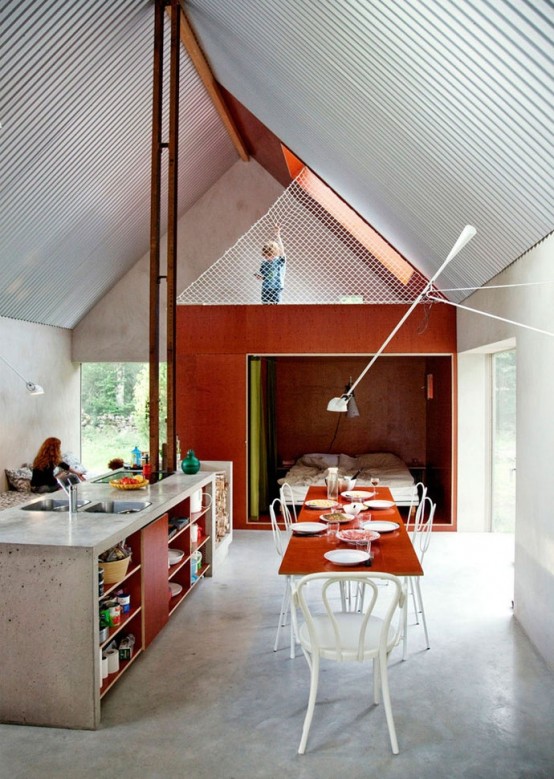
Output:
[[213, 343]]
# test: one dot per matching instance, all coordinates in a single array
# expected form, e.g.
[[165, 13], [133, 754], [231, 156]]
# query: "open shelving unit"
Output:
[[185, 573], [156, 540], [150, 576], [131, 622]]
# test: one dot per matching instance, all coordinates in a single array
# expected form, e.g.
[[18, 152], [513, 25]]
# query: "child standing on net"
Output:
[[272, 269]]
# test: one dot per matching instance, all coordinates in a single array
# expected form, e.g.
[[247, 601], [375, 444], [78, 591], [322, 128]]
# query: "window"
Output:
[[114, 411]]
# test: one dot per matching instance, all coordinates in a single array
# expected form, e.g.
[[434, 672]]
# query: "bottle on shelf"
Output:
[[146, 468], [136, 457]]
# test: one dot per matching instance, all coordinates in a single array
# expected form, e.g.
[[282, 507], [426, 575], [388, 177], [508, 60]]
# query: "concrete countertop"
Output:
[[96, 532]]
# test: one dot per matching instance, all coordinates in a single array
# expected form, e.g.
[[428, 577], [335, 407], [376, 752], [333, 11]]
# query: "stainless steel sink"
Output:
[[53, 504], [118, 506]]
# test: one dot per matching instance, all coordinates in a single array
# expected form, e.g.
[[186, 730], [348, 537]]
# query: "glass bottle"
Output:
[[191, 463], [146, 468], [332, 483]]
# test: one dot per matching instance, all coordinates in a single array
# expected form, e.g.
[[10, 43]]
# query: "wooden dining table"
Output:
[[392, 552]]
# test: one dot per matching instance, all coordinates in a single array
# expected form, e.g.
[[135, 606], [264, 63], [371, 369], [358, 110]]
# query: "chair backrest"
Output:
[[421, 534], [280, 537], [419, 492], [340, 634], [288, 507]]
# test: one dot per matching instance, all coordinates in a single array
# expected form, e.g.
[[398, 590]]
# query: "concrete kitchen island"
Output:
[[49, 613]]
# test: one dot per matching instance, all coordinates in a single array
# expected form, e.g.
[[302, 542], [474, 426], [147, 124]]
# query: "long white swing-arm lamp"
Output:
[[341, 404], [32, 388]]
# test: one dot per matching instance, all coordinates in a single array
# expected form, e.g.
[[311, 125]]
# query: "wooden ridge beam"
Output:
[[189, 41]]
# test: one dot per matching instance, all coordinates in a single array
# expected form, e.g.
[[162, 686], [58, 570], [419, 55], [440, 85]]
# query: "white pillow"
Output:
[[19, 479], [348, 463], [379, 460], [320, 460], [73, 462]]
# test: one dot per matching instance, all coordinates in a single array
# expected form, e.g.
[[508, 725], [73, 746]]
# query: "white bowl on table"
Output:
[[354, 508]]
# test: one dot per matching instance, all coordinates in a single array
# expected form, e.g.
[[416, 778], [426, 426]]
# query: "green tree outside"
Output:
[[114, 411]]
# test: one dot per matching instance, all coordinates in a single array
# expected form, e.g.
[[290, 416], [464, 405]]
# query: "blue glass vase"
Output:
[[191, 463]]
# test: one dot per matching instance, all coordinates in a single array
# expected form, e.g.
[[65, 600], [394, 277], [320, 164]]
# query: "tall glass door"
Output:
[[503, 492]]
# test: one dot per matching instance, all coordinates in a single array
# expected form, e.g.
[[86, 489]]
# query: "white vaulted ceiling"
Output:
[[423, 116]]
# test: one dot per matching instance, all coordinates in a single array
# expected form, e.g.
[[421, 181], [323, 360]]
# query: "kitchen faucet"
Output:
[[69, 485]]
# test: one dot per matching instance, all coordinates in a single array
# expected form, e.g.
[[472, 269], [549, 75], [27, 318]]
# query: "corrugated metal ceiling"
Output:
[[76, 148], [422, 115]]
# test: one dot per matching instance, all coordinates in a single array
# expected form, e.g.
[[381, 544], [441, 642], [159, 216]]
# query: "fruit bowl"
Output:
[[130, 483]]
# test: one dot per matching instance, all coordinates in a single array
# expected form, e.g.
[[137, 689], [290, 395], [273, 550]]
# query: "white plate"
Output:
[[308, 528], [175, 589], [358, 536], [346, 556], [175, 556], [381, 526], [321, 503], [361, 495], [380, 504]]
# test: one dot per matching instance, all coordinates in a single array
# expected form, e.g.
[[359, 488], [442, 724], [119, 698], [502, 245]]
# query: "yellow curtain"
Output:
[[257, 448]]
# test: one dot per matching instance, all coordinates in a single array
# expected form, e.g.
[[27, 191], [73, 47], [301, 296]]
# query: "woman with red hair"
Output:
[[49, 458]]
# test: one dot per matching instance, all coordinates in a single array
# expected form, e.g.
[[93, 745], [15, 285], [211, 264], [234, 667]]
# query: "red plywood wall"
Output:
[[213, 343], [391, 401]]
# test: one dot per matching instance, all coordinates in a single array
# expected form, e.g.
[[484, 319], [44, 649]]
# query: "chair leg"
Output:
[[292, 621], [420, 601], [285, 604], [314, 678], [414, 600], [387, 704], [376, 682], [405, 629]]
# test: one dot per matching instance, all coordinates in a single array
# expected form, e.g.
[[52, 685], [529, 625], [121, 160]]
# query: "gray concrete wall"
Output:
[[117, 327], [534, 532], [42, 354]]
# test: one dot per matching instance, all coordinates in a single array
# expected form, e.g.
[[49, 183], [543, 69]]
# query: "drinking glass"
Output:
[[374, 483], [332, 530]]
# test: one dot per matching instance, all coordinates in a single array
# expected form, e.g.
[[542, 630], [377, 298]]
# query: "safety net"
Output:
[[332, 256]]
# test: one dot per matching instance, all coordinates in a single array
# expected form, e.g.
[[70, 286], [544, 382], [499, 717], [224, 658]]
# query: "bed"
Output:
[[312, 468]]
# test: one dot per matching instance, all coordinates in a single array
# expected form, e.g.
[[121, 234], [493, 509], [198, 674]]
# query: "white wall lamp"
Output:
[[32, 388], [352, 411], [342, 403], [346, 402]]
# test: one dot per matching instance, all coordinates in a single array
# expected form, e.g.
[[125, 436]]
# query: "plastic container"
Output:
[[136, 457]]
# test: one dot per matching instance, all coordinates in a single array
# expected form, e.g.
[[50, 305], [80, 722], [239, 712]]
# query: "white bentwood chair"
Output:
[[350, 636], [419, 493], [288, 507], [421, 538], [281, 538]]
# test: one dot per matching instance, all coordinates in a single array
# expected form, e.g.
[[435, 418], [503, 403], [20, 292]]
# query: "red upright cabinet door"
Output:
[[155, 593]]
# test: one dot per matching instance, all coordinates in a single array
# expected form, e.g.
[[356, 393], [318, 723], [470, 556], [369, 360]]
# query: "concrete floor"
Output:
[[211, 700]]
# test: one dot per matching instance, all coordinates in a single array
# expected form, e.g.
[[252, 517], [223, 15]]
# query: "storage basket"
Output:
[[114, 571]]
